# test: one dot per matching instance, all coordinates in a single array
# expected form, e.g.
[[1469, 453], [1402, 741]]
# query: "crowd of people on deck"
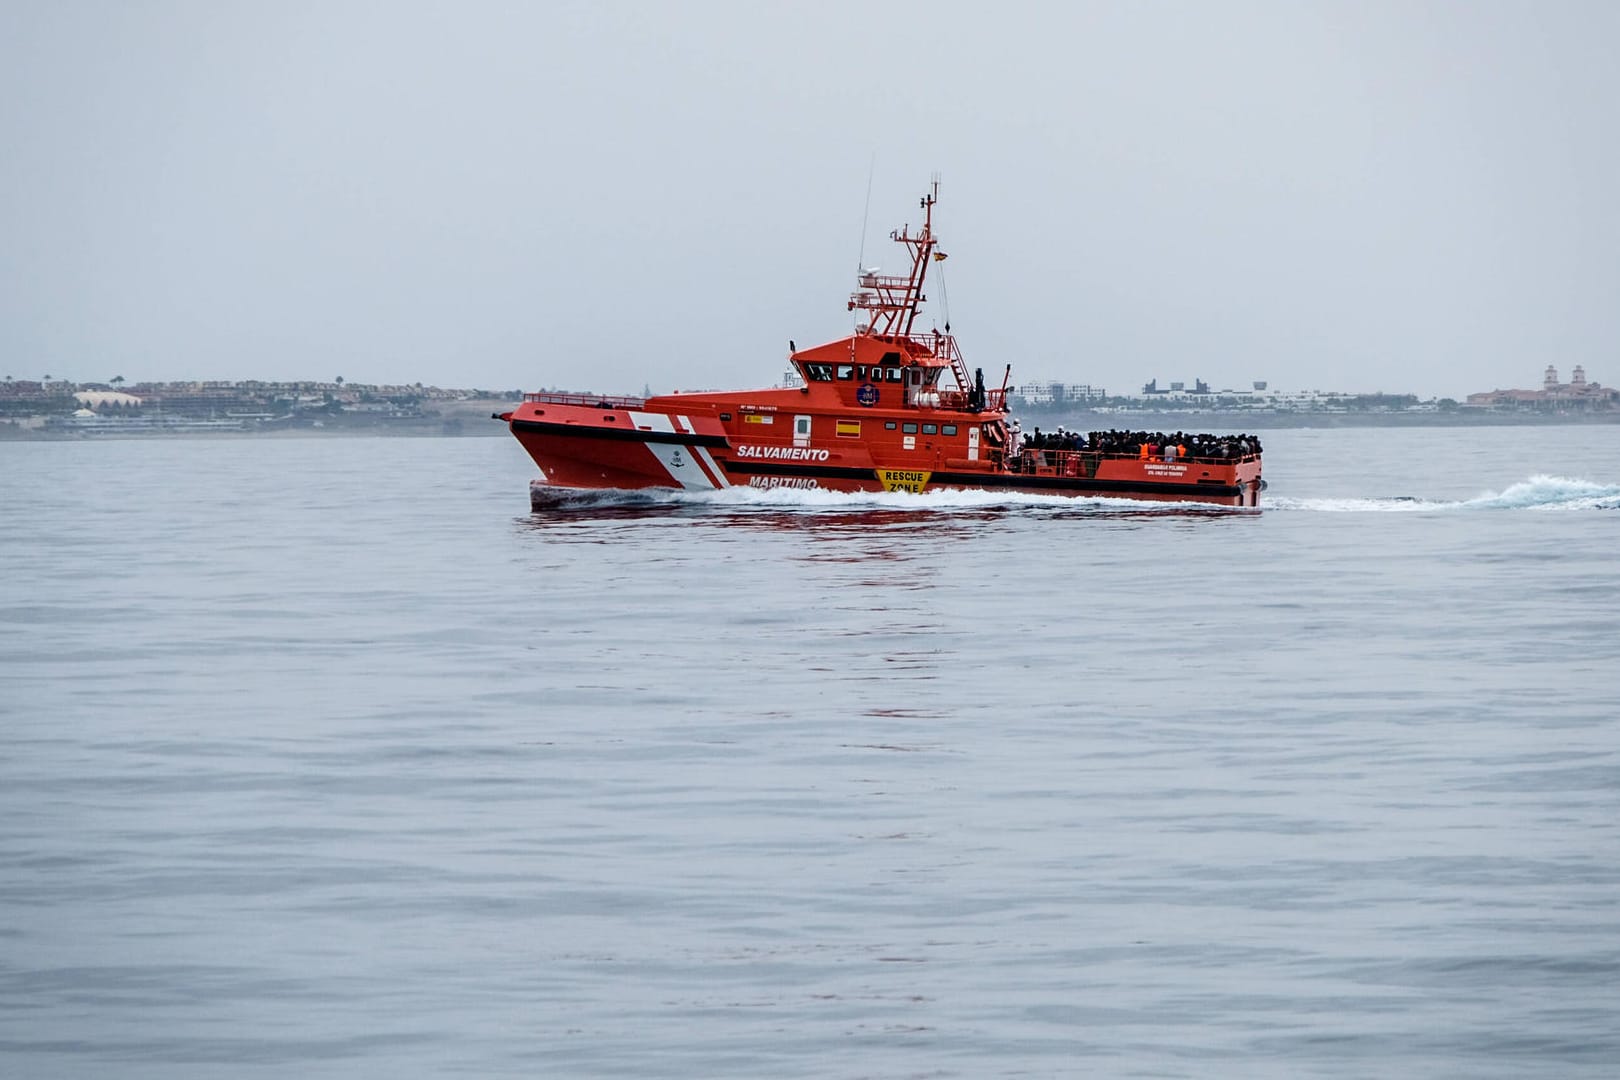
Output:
[[1147, 445]]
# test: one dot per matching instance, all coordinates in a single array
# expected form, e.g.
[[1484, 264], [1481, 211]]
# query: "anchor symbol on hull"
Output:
[[676, 461]]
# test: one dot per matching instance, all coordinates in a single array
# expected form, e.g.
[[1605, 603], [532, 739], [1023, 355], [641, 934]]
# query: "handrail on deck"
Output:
[[591, 401], [1029, 459], [994, 400]]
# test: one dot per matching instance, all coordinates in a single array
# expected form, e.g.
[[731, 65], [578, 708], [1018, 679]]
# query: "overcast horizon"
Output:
[[1407, 198]]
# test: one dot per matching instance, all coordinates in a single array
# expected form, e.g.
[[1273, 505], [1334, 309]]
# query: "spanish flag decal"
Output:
[[849, 429]]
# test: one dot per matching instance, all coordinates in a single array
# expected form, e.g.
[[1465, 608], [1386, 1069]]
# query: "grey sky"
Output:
[[1408, 196]]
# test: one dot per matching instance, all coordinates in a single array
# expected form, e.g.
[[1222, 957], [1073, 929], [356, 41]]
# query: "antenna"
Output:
[[860, 262]]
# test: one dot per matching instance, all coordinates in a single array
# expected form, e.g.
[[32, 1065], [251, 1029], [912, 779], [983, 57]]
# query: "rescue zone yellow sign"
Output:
[[903, 480]]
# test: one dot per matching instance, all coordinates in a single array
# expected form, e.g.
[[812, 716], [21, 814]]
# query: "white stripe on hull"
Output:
[[652, 421], [714, 467], [679, 463]]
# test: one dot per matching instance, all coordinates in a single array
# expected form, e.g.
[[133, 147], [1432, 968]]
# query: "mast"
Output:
[[892, 299], [924, 247]]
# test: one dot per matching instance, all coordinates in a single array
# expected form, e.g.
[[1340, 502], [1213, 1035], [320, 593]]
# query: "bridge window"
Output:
[[819, 372], [896, 375], [846, 371]]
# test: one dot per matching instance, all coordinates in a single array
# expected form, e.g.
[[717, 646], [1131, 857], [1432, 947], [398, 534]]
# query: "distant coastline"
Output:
[[468, 418], [60, 410], [472, 419]]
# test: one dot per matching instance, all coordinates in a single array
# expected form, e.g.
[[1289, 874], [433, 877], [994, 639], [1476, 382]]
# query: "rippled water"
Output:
[[325, 757]]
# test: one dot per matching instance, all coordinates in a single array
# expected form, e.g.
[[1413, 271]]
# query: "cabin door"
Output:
[[973, 442], [801, 431]]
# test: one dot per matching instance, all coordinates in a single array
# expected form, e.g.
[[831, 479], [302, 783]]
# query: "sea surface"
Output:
[[327, 758]]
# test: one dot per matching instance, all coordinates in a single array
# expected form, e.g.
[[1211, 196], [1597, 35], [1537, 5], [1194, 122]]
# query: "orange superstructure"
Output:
[[876, 412]]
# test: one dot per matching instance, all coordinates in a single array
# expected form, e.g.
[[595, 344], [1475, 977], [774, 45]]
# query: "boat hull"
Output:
[[617, 446]]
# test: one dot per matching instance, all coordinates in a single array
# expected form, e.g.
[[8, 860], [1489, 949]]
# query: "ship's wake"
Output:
[[1540, 493], [812, 500]]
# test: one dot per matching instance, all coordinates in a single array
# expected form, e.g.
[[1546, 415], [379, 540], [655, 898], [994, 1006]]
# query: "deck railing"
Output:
[[593, 401], [1086, 462], [994, 400]]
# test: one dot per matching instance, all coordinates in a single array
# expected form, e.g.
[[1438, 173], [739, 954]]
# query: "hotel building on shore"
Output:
[[1578, 393]]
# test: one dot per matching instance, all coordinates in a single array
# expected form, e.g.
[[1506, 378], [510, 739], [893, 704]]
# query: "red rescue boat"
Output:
[[888, 408]]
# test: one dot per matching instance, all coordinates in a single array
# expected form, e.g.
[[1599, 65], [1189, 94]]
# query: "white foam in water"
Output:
[[1551, 493], [1536, 493], [929, 502]]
